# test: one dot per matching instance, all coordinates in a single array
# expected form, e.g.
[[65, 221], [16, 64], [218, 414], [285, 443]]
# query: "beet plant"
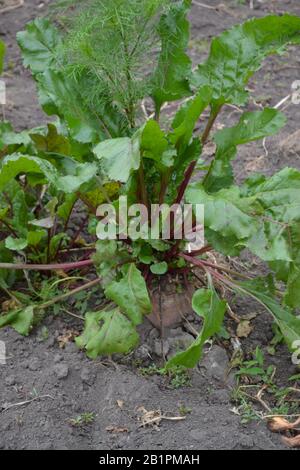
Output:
[[97, 67]]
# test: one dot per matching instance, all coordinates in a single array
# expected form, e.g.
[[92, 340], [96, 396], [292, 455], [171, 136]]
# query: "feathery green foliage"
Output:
[[114, 45]]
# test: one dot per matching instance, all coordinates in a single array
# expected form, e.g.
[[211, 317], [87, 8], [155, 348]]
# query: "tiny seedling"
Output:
[[178, 377], [83, 419]]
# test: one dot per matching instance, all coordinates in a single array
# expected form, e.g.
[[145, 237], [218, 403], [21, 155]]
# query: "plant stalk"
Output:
[[190, 170], [143, 189], [204, 264], [47, 267], [59, 298]]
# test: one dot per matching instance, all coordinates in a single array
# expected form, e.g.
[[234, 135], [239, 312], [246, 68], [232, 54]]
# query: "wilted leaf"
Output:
[[102, 194], [9, 305], [46, 223]]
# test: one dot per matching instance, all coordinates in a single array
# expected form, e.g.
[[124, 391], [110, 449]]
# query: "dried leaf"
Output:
[[149, 418], [9, 305], [67, 337], [116, 429], [120, 404], [244, 329], [154, 418], [250, 316], [292, 442], [279, 424], [61, 273]]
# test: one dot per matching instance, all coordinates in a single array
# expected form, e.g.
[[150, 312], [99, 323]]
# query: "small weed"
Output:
[[151, 370], [183, 410], [257, 386], [245, 408], [178, 376], [43, 334], [82, 419], [255, 368], [295, 378]]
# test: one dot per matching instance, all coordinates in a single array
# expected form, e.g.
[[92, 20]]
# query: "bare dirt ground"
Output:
[[43, 387]]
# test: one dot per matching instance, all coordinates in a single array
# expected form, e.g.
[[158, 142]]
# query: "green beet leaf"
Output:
[[238, 53], [252, 126], [170, 80], [16, 244], [222, 212], [292, 296], [159, 268], [153, 142], [187, 117], [83, 173], [13, 141], [107, 332], [287, 322], [17, 164], [119, 157], [130, 294], [39, 44], [206, 304], [53, 142], [59, 92], [20, 320]]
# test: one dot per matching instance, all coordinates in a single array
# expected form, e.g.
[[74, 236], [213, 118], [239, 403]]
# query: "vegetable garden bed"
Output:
[[67, 170]]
